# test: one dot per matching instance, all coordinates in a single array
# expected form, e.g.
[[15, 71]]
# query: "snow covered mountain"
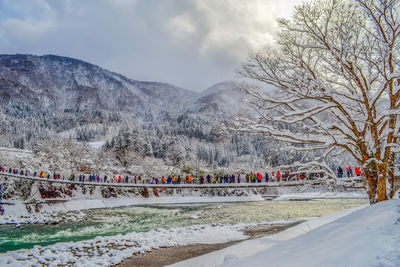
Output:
[[222, 98], [61, 83], [58, 98]]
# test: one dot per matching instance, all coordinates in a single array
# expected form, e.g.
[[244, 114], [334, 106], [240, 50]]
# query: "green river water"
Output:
[[110, 222]]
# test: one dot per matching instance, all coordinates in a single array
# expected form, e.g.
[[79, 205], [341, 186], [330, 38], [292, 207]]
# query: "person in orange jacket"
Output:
[[173, 179], [163, 180], [190, 179]]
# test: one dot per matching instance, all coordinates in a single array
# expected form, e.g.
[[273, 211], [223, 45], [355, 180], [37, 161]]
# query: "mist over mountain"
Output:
[[222, 98]]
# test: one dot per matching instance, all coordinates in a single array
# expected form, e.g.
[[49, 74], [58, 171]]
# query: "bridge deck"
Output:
[[133, 185]]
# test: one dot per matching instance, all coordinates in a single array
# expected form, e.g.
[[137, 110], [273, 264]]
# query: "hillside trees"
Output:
[[62, 153], [2, 123], [337, 73]]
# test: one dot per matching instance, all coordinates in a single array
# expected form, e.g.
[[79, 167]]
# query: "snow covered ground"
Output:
[[105, 251], [354, 235], [112, 250], [362, 237], [322, 195]]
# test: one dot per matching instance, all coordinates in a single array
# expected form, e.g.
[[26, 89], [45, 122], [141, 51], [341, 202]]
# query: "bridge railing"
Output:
[[149, 185]]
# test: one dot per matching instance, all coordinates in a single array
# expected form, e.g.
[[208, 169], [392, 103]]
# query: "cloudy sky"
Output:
[[189, 43]]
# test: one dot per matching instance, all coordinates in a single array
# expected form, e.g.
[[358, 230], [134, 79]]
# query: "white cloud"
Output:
[[30, 20], [27, 30], [123, 3], [190, 43], [181, 27]]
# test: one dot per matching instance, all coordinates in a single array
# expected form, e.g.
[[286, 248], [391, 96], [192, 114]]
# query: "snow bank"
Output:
[[17, 213], [105, 251], [323, 195], [359, 237]]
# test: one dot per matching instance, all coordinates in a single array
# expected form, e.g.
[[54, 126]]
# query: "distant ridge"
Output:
[[56, 82]]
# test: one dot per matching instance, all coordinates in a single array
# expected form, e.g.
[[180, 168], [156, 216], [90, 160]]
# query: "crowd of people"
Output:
[[349, 171], [217, 178]]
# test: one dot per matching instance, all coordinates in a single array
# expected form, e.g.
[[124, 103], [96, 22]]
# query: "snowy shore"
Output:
[[18, 212], [105, 251], [359, 237], [113, 249], [32, 201], [110, 250]]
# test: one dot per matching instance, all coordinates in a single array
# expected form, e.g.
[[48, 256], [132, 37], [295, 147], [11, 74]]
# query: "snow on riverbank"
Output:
[[16, 212], [109, 250], [105, 251], [323, 195], [361, 237]]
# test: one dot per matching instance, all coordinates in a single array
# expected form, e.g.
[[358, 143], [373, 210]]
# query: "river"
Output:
[[110, 222]]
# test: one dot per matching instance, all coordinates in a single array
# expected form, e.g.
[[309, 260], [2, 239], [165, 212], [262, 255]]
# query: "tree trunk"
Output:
[[371, 188], [391, 172], [382, 189], [377, 176], [371, 174]]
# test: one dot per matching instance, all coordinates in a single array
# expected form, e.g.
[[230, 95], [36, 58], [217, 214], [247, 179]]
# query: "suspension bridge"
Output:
[[241, 185]]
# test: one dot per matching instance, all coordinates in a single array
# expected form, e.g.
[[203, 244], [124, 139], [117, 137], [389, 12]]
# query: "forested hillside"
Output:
[[56, 98]]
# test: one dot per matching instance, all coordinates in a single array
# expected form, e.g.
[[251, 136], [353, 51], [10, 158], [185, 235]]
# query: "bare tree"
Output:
[[336, 68]]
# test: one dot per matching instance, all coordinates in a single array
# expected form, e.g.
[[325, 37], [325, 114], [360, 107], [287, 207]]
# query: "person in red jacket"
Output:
[[357, 171], [278, 175], [259, 177]]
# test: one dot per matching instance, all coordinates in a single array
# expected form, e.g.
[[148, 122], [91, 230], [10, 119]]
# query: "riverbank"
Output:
[[108, 236], [359, 237], [170, 255], [53, 211], [38, 201]]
